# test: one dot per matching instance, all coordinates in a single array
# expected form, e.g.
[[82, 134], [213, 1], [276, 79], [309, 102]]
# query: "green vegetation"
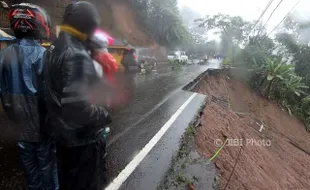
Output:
[[190, 130], [162, 20], [228, 61], [175, 65], [279, 68], [181, 179]]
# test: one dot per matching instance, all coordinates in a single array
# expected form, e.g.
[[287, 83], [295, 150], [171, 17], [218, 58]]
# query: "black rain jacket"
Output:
[[69, 73]]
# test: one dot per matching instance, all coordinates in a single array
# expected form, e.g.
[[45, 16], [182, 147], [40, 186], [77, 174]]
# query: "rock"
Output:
[[194, 155]]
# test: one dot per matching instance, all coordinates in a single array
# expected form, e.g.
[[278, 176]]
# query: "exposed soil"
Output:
[[117, 17], [122, 22], [125, 18], [275, 158]]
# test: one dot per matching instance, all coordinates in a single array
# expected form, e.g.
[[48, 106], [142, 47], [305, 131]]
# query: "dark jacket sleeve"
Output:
[[79, 76], [1, 67]]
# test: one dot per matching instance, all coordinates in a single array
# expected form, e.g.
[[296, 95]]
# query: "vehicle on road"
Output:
[[130, 59], [184, 57], [141, 58], [206, 58], [121, 50], [178, 56], [171, 56], [146, 58]]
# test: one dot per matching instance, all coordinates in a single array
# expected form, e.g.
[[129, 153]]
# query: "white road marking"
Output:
[[122, 177]]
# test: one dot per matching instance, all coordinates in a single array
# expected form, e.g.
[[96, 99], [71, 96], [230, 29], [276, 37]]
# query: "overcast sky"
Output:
[[249, 9]]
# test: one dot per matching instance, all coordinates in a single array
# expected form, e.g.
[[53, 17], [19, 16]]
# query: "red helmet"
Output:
[[28, 20]]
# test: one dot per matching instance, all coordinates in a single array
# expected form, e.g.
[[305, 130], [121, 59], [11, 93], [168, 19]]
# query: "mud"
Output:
[[275, 146]]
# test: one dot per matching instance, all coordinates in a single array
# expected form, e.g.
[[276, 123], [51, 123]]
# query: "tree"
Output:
[[254, 53], [162, 20], [234, 27], [280, 68], [295, 44], [198, 34], [201, 49], [233, 31]]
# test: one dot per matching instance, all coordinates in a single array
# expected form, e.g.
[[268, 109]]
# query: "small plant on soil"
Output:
[[181, 179], [190, 130]]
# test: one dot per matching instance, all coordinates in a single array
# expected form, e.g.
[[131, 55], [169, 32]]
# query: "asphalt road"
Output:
[[155, 99]]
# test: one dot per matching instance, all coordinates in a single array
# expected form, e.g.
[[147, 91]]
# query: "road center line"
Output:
[[127, 171]]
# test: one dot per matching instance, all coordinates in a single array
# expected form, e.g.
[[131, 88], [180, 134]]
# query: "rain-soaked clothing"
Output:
[[76, 123], [70, 73], [82, 167], [20, 65], [20, 68], [39, 161]]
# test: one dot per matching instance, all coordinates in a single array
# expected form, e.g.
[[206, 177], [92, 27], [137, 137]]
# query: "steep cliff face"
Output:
[[117, 18]]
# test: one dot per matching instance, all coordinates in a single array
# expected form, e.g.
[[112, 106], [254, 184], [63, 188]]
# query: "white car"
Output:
[[178, 56], [171, 56]]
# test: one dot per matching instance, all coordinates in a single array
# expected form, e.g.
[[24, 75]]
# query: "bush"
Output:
[[227, 61], [276, 80]]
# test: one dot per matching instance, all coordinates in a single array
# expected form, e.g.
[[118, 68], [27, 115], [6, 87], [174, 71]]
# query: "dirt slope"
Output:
[[275, 158], [117, 18], [125, 17]]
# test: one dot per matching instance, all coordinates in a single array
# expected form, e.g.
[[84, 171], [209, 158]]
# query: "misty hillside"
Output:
[[117, 18], [154, 23], [188, 17]]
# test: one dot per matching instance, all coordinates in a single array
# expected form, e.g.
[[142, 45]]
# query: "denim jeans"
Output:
[[39, 162]]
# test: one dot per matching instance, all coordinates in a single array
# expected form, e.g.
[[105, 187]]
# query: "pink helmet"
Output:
[[101, 40]]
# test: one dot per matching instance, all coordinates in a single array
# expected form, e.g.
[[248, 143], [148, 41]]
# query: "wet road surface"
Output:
[[157, 97]]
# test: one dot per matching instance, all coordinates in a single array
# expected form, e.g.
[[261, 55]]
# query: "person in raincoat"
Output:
[[76, 123], [21, 94], [112, 91], [98, 44]]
